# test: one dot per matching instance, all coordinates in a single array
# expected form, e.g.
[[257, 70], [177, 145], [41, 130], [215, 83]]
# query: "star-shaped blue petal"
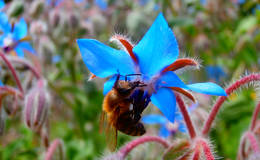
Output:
[[157, 49], [104, 61]]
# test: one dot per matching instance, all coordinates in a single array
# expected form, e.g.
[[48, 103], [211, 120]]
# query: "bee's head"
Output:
[[125, 88]]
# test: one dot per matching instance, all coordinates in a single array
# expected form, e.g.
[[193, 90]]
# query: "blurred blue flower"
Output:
[[78, 1], [241, 1], [256, 9], [56, 58], [215, 73], [1, 84], [2, 4], [57, 2], [157, 50], [14, 37], [102, 4], [167, 128], [144, 2], [203, 2]]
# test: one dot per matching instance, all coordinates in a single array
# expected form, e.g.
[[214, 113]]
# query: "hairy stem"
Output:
[[253, 141], [11, 90], [186, 116], [124, 151], [56, 144], [221, 100], [27, 64], [206, 149], [9, 65], [254, 118]]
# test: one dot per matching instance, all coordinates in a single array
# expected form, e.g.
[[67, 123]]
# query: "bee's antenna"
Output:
[[135, 74], [117, 78], [142, 85]]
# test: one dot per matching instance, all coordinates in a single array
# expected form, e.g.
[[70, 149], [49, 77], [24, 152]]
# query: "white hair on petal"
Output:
[[116, 41], [190, 67]]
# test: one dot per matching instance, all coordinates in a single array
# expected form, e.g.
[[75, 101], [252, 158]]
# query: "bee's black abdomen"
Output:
[[133, 129]]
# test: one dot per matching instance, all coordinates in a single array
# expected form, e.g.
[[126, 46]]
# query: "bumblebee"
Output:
[[122, 109]]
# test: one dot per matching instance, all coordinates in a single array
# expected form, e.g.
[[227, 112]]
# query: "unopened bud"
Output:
[[36, 8], [38, 27], [16, 9], [54, 18], [37, 103], [73, 21], [179, 149]]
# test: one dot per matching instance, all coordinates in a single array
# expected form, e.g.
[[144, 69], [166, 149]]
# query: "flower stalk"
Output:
[[25, 63], [253, 141], [206, 149], [254, 118], [124, 151], [10, 66], [55, 145], [222, 99], [186, 116]]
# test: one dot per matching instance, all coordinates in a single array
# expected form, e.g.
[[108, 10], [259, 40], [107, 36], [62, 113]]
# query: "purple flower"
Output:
[[14, 37], [154, 57]]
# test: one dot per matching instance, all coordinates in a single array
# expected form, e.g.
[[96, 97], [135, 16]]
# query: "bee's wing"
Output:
[[111, 137], [102, 122], [110, 131]]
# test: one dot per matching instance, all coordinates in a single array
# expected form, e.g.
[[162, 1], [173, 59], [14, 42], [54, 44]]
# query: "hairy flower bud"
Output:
[[73, 21], [16, 9], [54, 18], [38, 27], [36, 8], [37, 103]]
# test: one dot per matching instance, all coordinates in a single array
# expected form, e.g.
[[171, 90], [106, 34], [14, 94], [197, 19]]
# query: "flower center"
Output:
[[173, 127], [8, 40]]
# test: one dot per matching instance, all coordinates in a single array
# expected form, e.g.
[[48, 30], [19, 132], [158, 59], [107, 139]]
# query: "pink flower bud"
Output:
[[37, 103], [38, 27], [36, 9], [54, 18], [73, 21]]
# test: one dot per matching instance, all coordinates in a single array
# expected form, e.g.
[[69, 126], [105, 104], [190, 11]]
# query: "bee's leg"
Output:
[[136, 117]]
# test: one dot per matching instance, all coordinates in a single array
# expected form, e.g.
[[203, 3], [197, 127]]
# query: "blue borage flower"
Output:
[[155, 57], [2, 4], [102, 4], [58, 2], [215, 73], [14, 37], [168, 128]]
